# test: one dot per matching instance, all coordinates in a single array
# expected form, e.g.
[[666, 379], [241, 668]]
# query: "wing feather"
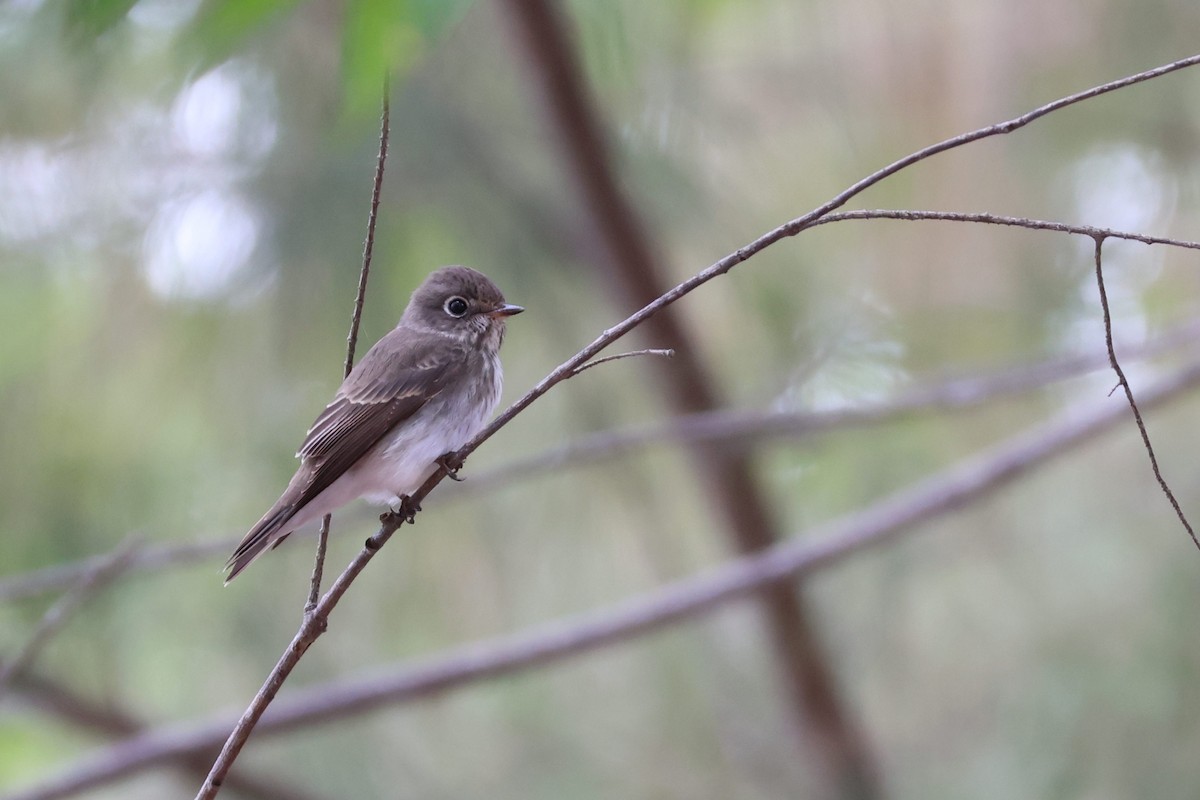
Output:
[[388, 386]]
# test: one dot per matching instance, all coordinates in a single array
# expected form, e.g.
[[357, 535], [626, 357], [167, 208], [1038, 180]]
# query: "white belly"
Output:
[[404, 458]]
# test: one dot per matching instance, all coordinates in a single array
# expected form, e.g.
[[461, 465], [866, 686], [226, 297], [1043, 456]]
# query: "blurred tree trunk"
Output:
[[630, 270]]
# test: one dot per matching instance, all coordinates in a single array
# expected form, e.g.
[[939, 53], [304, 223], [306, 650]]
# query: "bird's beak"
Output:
[[506, 310]]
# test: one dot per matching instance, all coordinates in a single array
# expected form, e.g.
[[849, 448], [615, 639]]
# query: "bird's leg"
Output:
[[450, 464]]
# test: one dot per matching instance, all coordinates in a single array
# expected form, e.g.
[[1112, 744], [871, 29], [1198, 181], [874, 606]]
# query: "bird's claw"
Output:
[[450, 464], [407, 511]]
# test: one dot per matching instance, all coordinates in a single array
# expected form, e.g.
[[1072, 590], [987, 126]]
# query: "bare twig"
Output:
[[373, 217], [314, 591], [632, 354], [311, 628], [936, 496], [1124, 384], [318, 571], [60, 613], [998, 219]]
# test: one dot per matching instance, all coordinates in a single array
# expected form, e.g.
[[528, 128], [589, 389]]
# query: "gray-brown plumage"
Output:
[[423, 390]]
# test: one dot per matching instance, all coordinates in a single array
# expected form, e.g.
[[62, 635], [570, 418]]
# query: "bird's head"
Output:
[[462, 302]]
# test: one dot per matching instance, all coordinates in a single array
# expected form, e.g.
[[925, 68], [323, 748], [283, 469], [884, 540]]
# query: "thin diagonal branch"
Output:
[[1124, 384], [619, 356], [314, 591], [804, 553]]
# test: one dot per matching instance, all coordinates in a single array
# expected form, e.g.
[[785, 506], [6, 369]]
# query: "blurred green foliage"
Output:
[[184, 196]]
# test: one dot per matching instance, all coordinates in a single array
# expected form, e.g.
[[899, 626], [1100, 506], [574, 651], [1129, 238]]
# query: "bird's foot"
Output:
[[408, 509], [450, 464]]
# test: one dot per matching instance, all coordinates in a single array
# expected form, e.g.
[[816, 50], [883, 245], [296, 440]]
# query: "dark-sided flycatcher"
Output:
[[422, 391]]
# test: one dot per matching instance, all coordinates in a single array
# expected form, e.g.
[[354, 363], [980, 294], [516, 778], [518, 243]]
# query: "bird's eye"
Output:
[[455, 306]]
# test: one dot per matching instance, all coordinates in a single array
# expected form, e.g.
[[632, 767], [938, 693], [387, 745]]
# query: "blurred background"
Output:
[[184, 190]]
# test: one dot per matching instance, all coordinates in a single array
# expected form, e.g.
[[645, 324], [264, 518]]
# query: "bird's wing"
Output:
[[387, 387], [392, 382]]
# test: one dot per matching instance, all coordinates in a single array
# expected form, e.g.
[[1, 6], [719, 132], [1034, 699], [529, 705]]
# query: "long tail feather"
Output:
[[265, 533]]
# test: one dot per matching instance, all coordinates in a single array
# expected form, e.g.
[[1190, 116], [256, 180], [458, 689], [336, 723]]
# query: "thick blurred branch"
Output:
[[60, 613], [841, 764], [62, 576], [933, 497], [112, 721]]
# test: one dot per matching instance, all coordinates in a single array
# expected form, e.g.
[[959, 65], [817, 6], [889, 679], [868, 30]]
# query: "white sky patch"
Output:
[[1120, 187], [851, 359], [162, 181], [197, 247], [226, 111], [163, 15], [35, 181], [205, 118], [1123, 187]]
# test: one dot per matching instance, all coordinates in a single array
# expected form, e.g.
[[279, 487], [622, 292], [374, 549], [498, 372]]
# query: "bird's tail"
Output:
[[265, 533]]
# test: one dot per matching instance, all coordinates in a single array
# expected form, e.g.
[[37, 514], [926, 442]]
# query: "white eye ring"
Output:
[[456, 307]]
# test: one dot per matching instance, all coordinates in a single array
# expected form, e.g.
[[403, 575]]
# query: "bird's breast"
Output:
[[404, 458]]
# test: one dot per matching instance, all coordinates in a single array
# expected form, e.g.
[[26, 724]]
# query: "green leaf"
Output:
[[386, 38], [221, 26], [89, 19]]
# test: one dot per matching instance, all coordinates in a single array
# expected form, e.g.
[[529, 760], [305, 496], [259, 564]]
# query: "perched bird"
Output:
[[422, 391]]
